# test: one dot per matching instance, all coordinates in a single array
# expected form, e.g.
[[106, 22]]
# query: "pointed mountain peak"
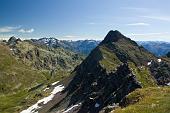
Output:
[[12, 39], [113, 36]]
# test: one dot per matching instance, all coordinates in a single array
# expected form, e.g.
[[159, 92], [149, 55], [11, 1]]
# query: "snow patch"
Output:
[[149, 63], [34, 108], [97, 105], [46, 89], [53, 84], [159, 60], [168, 84], [71, 108]]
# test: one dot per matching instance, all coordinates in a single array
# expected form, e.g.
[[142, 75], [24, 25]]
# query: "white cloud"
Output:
[[8, 29], [70, 36], [148, 34], [138, 24], [77, 37], [26, 30], [163, 18], [6, 36]]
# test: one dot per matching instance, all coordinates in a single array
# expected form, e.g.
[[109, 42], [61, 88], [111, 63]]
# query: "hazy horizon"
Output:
[[81, 39]]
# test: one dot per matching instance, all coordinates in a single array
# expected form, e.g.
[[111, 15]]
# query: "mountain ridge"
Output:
[[108, 74]]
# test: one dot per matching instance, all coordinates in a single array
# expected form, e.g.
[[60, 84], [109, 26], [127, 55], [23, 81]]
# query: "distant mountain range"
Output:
[[81, 46], [158, 48], [51, 76], [84, 47]]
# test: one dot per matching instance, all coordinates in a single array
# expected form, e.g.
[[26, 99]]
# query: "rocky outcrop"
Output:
[[98, 89], [13, 41], [161, 71]]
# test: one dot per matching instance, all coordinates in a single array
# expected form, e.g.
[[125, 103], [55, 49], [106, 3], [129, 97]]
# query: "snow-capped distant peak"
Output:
[[168, 84]]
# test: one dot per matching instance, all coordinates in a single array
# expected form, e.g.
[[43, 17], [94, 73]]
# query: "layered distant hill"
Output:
[[81, 46], [158, 48]]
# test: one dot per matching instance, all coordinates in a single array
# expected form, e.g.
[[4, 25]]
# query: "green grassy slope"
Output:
[[143, 75], [15, 75], [111, 59], [21, 85], [148, 100]]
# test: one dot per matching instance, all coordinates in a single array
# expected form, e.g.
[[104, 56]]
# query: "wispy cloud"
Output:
[[148, 34], [163, 18], [26, 30], [138, 24], [91, 23], [156, 36], [8, 29], [95, 23], [77, 37], [6, 36], [70, 36], [140, 9]]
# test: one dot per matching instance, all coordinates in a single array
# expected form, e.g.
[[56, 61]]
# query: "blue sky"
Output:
[[85, 19]]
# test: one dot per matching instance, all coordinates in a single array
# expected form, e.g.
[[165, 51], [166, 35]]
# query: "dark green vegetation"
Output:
[[26, 69]]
